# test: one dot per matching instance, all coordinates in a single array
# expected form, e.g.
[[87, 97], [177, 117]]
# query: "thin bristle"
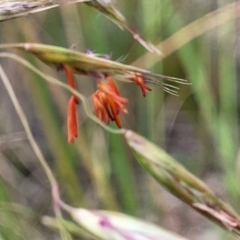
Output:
[[172, 92], [171, 86], [153, 82], [178, 80], [156, 78]]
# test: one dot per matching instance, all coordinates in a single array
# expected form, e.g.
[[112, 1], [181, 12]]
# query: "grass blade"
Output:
[[107, 8], [91, 65], [118, 226], [175, 178], [15, 9]]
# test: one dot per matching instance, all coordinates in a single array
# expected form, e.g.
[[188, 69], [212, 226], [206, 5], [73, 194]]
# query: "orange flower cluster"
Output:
[[139, 80], [107, 101]]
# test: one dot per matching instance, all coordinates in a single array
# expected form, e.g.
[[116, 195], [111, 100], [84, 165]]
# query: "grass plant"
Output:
[[48, 188]]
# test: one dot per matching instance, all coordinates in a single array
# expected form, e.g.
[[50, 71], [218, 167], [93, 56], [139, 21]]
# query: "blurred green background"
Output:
[[200, 128]]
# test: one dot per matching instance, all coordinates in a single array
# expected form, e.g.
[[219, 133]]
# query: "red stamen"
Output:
[[139, 80], [70, 80], [114, 111], [69, 76], [108, 103], [72, 120], [72, 125], [111, 90], [100, 106], [112, 85]]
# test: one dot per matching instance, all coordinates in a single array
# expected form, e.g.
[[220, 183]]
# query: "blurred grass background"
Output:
[[200, 128]]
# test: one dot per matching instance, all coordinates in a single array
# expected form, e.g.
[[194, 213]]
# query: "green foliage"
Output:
[[200, 128]]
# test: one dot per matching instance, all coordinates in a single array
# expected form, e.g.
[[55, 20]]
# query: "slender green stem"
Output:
[[36, 149], [27, 129]]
